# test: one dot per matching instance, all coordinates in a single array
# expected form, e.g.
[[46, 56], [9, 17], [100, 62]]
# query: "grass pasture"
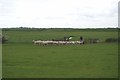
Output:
[[22, 59]]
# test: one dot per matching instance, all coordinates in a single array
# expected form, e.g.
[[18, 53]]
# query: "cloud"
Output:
[[58, 13]]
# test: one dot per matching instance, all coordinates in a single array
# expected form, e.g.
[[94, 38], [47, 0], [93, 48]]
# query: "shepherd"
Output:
[[81, 40]]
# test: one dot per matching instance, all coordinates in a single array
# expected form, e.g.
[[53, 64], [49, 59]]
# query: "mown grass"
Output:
[[22, 59]]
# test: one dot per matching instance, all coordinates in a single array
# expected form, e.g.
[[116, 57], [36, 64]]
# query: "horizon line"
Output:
[[61, 27]]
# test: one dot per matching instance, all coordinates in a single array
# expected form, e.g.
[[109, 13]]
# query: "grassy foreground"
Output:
[[22, 59]]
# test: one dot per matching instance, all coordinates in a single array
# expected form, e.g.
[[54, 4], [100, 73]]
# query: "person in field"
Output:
[[81, 40]]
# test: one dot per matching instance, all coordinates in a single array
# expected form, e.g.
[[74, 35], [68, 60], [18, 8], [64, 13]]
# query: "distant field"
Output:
[[22, 59], [26, 36]]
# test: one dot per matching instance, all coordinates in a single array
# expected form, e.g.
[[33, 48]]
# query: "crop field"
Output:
[[22, 59]]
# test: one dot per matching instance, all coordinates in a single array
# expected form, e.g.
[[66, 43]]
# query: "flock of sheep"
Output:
[[41, 42]]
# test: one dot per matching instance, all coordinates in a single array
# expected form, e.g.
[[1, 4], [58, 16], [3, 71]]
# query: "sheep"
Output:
[[37, 42], [40, 42]]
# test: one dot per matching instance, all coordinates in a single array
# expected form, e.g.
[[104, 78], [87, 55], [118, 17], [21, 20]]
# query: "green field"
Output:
[[22, 59]]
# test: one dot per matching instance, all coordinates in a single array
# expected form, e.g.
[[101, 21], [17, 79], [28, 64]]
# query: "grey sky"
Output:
[[59, 13]]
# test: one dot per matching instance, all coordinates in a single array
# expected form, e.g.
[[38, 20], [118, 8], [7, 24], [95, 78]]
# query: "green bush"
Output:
[[92, 40], [111, 40], [3, 39]]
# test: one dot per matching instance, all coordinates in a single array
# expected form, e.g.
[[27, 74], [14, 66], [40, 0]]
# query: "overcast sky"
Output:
[[59, 13]]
